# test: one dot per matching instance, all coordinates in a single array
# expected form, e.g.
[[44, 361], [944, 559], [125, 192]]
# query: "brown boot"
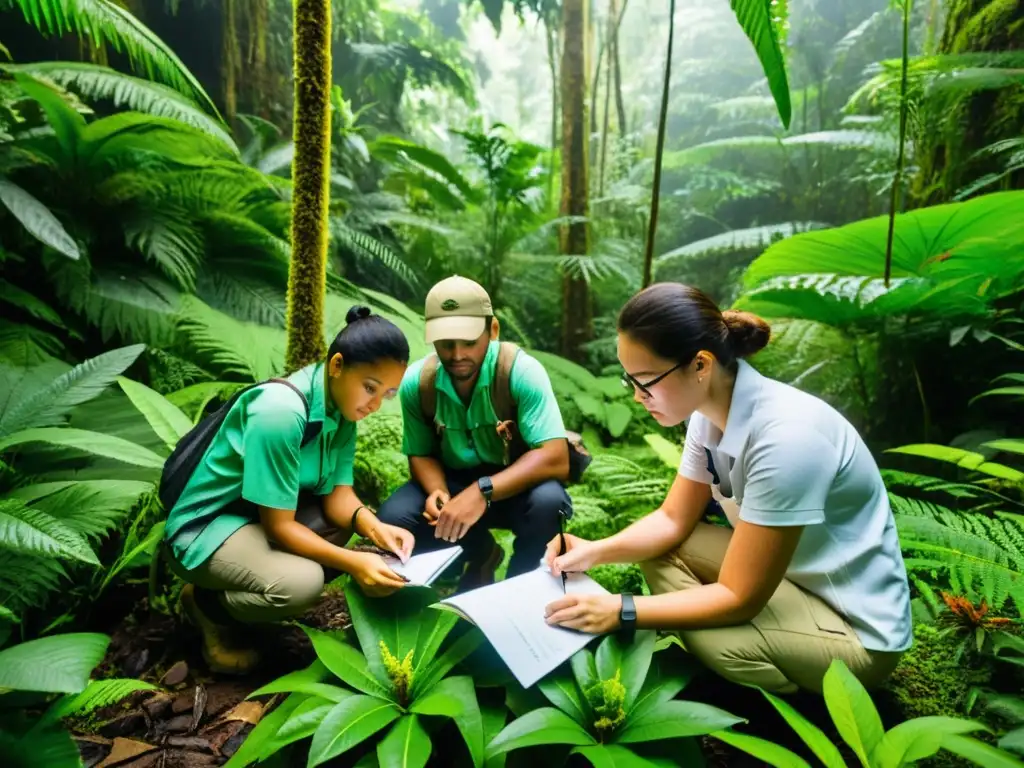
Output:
[[480, 573], [220, 649]]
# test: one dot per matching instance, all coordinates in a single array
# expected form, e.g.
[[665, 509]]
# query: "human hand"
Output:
[[435, 501], [460, 514], [374, 577], [392, 538], [596, 614], [580, 554]]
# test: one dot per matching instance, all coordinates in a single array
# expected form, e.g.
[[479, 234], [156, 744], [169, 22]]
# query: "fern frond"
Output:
[[740, 239], [30, 531], [98, 694], [91, 508], [231, 347], [92, 82], [106, 23], [26, 581], [49, 406]]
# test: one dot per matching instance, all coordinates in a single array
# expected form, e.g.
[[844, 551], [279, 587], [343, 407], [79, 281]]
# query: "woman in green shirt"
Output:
[[266, 512]]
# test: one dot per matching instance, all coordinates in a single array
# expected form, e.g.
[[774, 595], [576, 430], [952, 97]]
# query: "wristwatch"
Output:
[[627, 618], [486, 488]]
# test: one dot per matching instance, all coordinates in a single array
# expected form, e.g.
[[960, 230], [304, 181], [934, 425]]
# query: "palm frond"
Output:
[[231, 347], [93, 82], [740, 239], [107, 23]]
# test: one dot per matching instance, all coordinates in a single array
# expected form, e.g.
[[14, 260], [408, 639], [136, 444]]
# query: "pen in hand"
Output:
[[561, 537]]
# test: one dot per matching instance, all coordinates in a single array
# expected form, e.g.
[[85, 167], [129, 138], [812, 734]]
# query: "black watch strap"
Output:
[[486, 488], [627, 618]]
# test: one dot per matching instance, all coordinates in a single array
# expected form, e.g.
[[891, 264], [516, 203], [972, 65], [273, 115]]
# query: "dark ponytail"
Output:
[[367, 338], [677, 321]]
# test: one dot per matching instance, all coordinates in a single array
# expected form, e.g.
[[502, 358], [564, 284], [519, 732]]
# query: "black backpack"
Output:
[[189, 451]]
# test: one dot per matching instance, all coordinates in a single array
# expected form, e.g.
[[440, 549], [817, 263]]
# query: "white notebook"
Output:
[[421, 570], [510, 613]]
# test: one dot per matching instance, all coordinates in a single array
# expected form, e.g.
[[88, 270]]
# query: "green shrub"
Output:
[[380, 466], [617, 578], [589, 521]]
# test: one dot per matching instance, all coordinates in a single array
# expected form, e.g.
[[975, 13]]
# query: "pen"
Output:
[[561, 536]]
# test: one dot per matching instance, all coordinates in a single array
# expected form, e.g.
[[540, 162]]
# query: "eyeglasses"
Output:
[[645, 387]]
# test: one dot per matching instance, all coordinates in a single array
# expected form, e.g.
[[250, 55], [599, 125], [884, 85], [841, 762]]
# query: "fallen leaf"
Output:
[[125, 750], [176, 674], [246, 712]]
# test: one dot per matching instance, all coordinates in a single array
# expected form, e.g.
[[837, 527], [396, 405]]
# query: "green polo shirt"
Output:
[[256, 456], [469, 437]]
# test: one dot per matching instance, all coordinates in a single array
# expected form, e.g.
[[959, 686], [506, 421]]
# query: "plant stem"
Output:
[[902, 141]]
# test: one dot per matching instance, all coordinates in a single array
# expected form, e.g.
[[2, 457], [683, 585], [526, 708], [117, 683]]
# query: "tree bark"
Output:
[[229, 59], [307, 272], [577, 312], [620, 104], [552, 39]]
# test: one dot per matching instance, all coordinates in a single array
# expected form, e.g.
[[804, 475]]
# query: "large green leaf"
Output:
[[348, 664], [30, 531], [662, 684], [425, 679], [55, 664], [302, 723], [771, 753], [309, 680], [164, 417], [917, 739], [407, 745], [852, 710], [260, 740], [91, 507], [50, 747], [541, 726], [455, 697], [756, 17], [48, 405], [90, 442], [955, 258], [37, 219], [813, 736], [562, 691], [612, 756], [980, 753], [348, 724], [630, 661], [673, 720], [962, 458]]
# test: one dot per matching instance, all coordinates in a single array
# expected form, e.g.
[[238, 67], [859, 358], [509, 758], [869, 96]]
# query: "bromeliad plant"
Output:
[[608, 704], [396, 681], [860, 726]]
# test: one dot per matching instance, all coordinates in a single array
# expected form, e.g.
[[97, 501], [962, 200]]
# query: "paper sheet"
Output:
[[510, 613], [422, 569]]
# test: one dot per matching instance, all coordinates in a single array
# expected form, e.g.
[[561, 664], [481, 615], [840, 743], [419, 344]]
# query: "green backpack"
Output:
[[505, 409]]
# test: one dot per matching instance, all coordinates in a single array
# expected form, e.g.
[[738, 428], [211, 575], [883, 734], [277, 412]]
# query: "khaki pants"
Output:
[[257, 581], [788, 646]]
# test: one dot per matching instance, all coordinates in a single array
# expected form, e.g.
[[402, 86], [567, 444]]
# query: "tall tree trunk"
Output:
[[229, 60], [552, 39], [652, 224], [259, 78], [620, 104], [573, 238], [307, 272], [612, 18]]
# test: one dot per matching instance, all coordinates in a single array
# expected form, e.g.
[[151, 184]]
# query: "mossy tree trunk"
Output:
[[949, 160], [577, 311], [307, 273]]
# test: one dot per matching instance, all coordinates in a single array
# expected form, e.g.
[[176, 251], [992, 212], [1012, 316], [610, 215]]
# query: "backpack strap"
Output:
[[313, 428], [506, 410], [428, 394]]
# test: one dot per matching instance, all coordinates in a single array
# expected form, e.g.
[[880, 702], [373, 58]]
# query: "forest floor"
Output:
[[201, 718]]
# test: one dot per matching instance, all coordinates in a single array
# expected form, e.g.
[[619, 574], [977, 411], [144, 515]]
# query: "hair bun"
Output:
[[356, 313], [748, 333]]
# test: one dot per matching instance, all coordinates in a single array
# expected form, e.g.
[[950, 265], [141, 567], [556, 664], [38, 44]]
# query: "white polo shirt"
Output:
[[789, 458]]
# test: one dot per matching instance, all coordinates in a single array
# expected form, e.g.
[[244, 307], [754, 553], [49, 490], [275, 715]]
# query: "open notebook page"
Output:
[[510, 613], [422, 569]]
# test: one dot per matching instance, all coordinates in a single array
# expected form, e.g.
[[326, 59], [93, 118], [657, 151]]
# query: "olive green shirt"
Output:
[[256, 456], [469, 437]]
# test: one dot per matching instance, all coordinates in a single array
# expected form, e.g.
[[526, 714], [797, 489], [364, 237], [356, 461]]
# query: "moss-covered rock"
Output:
[[380, 466]]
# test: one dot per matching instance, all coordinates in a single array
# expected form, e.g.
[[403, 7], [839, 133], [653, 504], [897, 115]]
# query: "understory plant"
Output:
[[30, 673], [395, 685], [607, 704], [858, 723]]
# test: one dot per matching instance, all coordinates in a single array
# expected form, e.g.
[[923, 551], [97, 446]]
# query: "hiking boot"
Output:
[[221, 650], [480, 573]]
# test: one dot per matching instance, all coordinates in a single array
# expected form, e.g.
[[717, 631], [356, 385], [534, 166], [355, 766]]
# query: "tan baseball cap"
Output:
[[456, 310]]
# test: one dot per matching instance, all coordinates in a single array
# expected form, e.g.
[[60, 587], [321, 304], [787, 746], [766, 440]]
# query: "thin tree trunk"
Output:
[[574, 237], [612, 19], [229, 59], [307, 272], [652, 224], [620, 104], [259, 90], [552, 39]]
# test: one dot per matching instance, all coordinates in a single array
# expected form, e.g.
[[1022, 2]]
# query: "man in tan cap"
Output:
[[486, 444]]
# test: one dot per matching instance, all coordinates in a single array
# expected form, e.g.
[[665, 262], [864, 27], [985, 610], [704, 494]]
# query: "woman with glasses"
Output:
[[271, 506], [809, 569]]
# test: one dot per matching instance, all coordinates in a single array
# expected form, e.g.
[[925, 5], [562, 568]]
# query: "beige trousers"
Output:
[[788, 646], [257, 581]]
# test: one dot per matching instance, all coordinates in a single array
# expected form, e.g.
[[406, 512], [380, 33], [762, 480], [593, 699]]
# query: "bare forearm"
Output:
[[300, 540], [428, 472], [548, 462], [650, 536], [705, 607]]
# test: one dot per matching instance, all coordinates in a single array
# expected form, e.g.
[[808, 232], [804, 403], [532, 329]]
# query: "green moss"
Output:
[[618, 578], [380, 466], [590, 522]]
